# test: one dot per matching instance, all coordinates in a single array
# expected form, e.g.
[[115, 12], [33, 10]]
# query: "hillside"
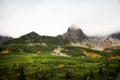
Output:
[[33, 38], [72, 43], [73, 37], [33, 43], [36, 57]]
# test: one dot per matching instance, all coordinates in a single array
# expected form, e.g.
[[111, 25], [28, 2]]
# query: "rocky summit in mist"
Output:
[[77, 37], [73, 37], [75, 34]]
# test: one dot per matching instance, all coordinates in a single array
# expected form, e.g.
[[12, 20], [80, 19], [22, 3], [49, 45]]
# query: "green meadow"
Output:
[[44, 66]]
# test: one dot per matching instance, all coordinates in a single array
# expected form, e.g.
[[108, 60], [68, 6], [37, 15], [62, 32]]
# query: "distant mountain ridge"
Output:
[[115, 35], [4, 39], [73, 37], [33, 38]]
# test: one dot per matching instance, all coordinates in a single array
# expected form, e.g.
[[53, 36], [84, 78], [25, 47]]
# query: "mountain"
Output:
[[74, 42], [73, 37], [4, 39], [77, 37], [33, 38], [33, 43], [74, 34], [115, 39], [102, 42], [115, 35]]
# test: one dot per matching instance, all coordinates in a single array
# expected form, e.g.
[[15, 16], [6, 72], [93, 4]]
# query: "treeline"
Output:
[[21, 72]]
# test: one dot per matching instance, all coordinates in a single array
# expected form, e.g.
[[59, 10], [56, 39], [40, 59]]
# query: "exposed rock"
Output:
[[58, 52], [43, 44], [76, 37], [74, 34]]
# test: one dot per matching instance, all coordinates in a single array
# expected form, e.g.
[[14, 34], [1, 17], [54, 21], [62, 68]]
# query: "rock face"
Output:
[[100, 42], [110, 41], [74, 34]]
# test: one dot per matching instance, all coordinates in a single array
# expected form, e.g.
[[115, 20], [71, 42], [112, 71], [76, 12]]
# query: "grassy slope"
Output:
[[69, 50], [78, 51], [55, 67], [47, 67]]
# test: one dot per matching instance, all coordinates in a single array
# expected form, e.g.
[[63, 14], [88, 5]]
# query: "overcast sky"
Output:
[[53, 17]]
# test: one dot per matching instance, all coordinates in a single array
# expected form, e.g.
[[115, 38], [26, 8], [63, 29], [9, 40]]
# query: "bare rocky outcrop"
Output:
[[58, 52]]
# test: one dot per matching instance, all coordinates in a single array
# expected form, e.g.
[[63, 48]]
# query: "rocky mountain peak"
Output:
[[74, 27], [75, 34], [31, 37], [32, 34]]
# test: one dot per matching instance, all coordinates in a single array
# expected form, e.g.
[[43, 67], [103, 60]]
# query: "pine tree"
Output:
[[46, 76], [117, 68], [85, 77], [36, 76], [91, 74], [22, 74], [100, 70], [68, 74]]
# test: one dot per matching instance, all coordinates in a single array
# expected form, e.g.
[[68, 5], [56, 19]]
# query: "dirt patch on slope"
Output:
[[58, 52]]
